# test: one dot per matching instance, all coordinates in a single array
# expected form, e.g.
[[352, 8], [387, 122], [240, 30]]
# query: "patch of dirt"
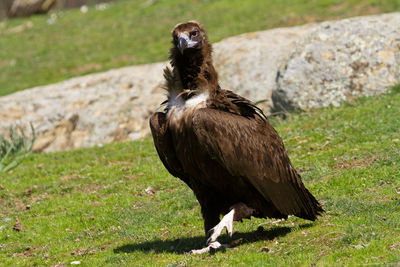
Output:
[[86, 68], [83, 251], [120, 163], [365, 9], [304, 169], [4, 206], [338, 7], [394, 247], [124, 169], [96, 203], [37, 198], [18, 226], [355, 162], [293, 19], [60, 264], [19, 204], [129, 177], [29, 251], [26, 253], [123, 58], [28, 192], [70, 177], [40, 165], [91, 188]]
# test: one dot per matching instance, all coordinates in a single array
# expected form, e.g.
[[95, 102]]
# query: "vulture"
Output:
[[222, 145]]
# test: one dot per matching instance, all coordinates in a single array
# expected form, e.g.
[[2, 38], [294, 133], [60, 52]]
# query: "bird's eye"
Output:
[[194, 33]]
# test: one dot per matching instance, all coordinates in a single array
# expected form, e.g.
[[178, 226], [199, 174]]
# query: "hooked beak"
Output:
[[185, 42]]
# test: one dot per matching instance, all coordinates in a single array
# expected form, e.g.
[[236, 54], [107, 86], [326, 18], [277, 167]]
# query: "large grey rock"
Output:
[[90, 110], [22, 8], [340, 60], [325, 64], [115, 105], [248, 63]]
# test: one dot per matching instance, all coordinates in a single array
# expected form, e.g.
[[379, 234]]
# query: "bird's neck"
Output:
[[196, 70]]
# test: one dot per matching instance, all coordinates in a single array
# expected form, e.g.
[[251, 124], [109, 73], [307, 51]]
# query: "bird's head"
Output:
[[189, 36]]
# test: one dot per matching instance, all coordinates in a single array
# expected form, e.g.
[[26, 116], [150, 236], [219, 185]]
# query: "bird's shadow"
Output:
[[183, 245]]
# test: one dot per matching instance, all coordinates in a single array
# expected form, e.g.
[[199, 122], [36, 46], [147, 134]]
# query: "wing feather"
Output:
[[164, 146], [251, 148]]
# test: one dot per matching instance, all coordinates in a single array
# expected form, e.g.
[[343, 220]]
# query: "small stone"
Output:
[[75, 262], [383, 218], [96, 203], [28, 192], [84, 9], [124, 169], [264, 249], [126, 86], [359, 246], [18, 225], [151, 190]]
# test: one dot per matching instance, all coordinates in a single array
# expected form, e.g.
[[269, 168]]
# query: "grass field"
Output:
[[34, 52], [91, 205]]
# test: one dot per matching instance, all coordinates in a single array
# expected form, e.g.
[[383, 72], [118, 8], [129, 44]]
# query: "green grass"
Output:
[[14, 147], [128, 32], [90, 204]]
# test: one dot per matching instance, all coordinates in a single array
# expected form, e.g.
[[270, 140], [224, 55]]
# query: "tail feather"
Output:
[[311, 208]]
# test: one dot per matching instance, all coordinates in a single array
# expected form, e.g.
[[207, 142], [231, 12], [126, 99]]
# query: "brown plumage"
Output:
[[221, 145]]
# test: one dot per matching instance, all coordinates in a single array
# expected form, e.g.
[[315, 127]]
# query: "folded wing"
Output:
[[251, 148]]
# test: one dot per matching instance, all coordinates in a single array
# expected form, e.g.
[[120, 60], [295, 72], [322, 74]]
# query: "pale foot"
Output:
[[227, 221], [211, 247]]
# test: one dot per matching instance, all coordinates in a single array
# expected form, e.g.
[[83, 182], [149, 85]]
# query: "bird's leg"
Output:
[[237, 213], [211, 218], [211, 247]]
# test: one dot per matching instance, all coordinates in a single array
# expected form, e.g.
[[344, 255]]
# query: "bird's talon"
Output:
[[210, 232]]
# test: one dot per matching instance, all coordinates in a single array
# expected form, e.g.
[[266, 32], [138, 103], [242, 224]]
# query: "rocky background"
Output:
[[340, 60], [302, 67], [24, 8]]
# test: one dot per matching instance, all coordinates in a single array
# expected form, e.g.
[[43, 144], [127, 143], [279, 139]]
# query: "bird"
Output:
[[221, 144]]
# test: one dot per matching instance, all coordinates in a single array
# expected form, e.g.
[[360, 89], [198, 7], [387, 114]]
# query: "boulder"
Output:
[[23, 8], [116, 105], [340, 60], [87, 111], [248, 63], [303, 67]]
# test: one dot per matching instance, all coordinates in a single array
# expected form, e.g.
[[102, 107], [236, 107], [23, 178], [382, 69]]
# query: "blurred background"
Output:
[[47, 41], [22, 8]]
